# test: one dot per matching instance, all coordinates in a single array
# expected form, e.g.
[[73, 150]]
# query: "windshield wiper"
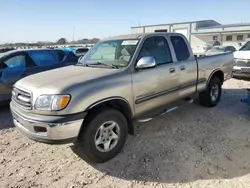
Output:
[[100, 63], [117, 66]]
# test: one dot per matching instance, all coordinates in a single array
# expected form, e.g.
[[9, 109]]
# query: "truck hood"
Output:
[[242, 54], [50, 82]]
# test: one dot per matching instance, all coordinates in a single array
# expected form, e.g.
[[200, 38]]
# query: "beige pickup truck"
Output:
[[120, 80]]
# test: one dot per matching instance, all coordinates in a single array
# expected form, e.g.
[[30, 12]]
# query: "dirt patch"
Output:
[[190, 147]]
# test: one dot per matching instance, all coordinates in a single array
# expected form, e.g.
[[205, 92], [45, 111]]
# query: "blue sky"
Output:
[[49, 20]]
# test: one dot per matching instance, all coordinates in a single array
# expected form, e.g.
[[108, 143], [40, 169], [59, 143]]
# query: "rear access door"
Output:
[[186, 66]]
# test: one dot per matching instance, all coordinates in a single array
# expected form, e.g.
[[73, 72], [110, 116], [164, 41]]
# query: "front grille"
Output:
[[242, 71], [22, 98], [242, 63]]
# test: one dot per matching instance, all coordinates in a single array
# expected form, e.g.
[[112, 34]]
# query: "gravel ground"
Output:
[[190, 147]]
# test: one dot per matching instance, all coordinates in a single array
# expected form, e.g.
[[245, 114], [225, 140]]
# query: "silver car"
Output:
[[218, 50]]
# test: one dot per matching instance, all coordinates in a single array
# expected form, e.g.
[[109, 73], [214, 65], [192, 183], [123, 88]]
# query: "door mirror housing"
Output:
[[146, 62]]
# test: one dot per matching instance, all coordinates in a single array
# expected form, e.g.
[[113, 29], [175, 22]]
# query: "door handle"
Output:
[[182, 67], [172, 70]]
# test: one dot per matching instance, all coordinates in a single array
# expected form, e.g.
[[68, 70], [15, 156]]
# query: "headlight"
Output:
[[241, 60], [52, 102], [246, 60]]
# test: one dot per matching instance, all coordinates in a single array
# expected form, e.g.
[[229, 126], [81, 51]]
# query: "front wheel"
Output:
[[212, 95], [103, 135]]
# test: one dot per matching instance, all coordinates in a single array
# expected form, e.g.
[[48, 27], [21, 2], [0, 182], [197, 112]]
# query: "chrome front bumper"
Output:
[[239, 71], [63, 132]]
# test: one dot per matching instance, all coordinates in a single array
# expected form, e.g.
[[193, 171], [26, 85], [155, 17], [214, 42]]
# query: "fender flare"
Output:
[[106, 100], [212, 74], [129, 116]]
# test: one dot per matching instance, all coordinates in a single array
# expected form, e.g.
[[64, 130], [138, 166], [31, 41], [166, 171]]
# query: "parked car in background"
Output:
[[2, 50], [218, 50], [241, 67], [210, 44], [247, 39], [17, 64], [81, 51], [121, 79]]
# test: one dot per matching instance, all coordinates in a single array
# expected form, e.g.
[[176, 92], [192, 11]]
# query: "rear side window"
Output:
[[180, 48], [44, 57], [82, 50]]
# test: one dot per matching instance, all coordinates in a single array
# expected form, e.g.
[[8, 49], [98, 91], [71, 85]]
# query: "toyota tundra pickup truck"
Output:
[[119, 81]]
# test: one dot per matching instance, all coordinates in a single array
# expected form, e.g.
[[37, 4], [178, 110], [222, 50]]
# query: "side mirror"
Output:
[[146, 62]]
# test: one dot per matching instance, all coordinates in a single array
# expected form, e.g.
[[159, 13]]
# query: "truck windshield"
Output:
[[110, 54], [245, 47]]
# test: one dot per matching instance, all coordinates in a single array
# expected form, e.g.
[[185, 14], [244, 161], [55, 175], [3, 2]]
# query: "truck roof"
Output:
[[138, 35]]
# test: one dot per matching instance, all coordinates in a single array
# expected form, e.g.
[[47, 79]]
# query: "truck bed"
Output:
[[208, 64]]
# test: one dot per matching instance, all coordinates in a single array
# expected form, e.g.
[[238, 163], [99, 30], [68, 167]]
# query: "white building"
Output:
[[200, 32]]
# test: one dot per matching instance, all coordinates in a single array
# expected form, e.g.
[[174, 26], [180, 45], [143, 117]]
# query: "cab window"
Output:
[[44, 57], [180, 48], [158, 48]]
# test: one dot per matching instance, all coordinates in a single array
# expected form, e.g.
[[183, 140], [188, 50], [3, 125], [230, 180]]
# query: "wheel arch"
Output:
[[119, 104], [217, 73]]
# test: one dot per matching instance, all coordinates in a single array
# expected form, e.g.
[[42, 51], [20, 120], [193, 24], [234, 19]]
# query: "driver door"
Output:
[[155, 87]]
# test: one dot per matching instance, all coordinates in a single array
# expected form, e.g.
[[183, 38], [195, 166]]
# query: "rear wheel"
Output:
[[212, 95], [104, 134]]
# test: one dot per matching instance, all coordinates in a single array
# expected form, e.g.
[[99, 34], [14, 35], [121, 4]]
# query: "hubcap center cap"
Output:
[[105, 135]]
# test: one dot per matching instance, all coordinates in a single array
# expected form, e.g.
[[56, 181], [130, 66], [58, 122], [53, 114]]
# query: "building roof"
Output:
[[177, 23], [221, 32], [211, 24], [226, 25]]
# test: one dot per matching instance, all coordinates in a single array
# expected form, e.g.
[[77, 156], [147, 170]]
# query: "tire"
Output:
[[205, 97], [92, 131]]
